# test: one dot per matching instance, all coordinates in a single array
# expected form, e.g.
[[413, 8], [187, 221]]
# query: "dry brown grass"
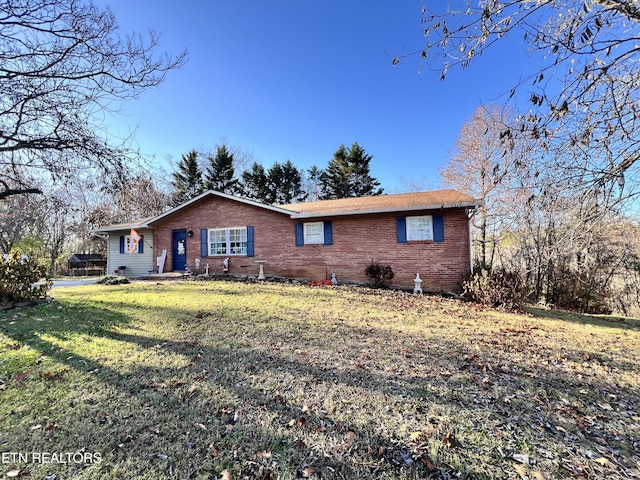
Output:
[[229, 380]]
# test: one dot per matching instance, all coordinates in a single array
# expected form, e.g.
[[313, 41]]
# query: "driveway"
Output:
[[74, 283]]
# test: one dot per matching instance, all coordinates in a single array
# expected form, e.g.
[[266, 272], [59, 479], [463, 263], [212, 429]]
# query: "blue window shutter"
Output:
[[141, 244], [438, 228], [328, 233], [299, 235], [121, 243], [401, 229], [250, 242], [204, 251]]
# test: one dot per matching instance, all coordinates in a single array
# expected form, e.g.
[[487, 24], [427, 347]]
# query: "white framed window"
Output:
[[313, 233], [125, 243], [419, 228], [228, 241]]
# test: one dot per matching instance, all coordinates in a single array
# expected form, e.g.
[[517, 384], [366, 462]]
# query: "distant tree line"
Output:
[[347, 175]]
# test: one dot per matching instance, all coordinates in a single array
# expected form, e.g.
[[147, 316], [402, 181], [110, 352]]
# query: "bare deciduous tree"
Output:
[[477, 166], [62, 66], [584, 95]]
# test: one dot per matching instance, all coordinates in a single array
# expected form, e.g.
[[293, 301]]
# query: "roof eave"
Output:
[[121, 228], [439, 206], [218, 194]]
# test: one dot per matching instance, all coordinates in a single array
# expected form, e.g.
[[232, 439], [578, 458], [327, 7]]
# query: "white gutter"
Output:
[[328, 213]]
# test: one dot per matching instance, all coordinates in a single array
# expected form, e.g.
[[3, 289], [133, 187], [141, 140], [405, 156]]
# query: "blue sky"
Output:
[[294, 79]]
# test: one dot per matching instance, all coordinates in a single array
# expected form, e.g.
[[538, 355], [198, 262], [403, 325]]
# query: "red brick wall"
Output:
[[357, 241]]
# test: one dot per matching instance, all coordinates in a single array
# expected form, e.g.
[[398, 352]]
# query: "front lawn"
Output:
[[230, 380]]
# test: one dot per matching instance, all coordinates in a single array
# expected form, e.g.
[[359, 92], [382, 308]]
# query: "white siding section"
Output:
[[138, 264]]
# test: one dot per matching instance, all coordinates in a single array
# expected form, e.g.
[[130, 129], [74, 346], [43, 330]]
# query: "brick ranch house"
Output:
[[425, 232]]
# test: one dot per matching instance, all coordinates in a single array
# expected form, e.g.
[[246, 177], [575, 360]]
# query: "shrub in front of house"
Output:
[[495, 288], [379, 275], [19, 277]]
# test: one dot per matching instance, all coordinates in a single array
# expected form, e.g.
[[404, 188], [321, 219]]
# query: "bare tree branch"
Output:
[[583, 98], [62, 65]]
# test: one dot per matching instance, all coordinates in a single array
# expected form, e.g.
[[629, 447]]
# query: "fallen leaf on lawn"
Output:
[[606, 463], [213, 451], [51, 426], [36, 427], [124, 437], [21, 376], [226, 475], [193, 389], [264, 454], [13, 346], [416, 436], [522, 458], [308, 471], [200, 425], [13, 473], [520, 470], [451, 441], [428, 463], [349, 438]]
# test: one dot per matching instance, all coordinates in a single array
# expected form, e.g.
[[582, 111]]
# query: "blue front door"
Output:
[[179, 262]]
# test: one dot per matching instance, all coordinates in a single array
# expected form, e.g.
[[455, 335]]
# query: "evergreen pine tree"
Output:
[[254, 183], [285, 184], [361, 182], [347, 175], [220, 172], [187, 179], [335, 178]]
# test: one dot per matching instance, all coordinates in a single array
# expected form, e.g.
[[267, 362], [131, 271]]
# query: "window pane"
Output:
[[314, 232], [238, 241], [419, 228], [218, 242]]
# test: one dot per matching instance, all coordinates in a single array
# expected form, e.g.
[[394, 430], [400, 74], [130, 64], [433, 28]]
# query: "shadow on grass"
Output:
[[277, 400], [613, 321]]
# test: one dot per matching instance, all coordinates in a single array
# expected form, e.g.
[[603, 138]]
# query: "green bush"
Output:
[[18, 277], [379, 275], [113, 280], [495, 288]]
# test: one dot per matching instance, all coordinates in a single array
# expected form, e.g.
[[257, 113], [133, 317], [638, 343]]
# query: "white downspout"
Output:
[[470, 228]]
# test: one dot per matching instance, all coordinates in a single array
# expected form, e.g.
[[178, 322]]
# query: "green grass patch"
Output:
[[230, 380]]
